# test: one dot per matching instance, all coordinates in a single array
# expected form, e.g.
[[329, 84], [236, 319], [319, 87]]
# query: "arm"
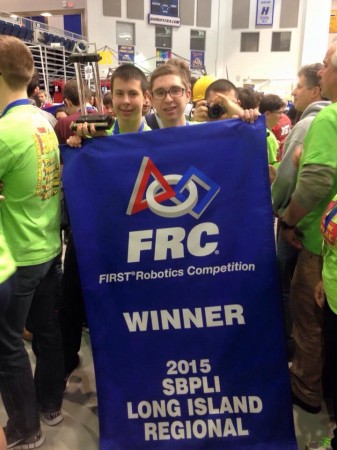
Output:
[[314, 185], [235, 110]]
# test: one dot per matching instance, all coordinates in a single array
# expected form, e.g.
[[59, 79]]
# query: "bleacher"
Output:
[[50, 47], [27, 34], [18, 30], [50, 38], [36, 32]]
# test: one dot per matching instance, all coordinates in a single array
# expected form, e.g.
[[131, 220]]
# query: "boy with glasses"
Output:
[[170, 92]]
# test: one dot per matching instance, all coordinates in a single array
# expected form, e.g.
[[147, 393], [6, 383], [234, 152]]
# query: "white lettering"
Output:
[[170, 241], [210, 316]]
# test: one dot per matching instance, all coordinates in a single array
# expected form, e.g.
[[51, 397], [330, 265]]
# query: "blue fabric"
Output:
[[138, 265], [73, 23]]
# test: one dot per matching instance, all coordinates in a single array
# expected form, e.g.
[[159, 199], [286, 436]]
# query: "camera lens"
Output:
[[216, 111]]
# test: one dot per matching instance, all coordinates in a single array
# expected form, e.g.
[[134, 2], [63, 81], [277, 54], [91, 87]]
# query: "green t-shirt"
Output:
[[320, 147], [272, 147], [329, 273], [7, 265], [30, 170]]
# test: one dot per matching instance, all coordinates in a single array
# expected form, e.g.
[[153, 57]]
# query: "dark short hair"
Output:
[[248, 98], [128, 72], [222, 85], [60, 109], [33, 84], [271, 103], [70, 92], [107, 99]]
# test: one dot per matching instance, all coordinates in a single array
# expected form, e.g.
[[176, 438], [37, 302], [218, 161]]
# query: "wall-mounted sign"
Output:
[[164, 12], [126, 54], [264, 12], [162, 56], [333, 22], [168, 8], [197, 60]]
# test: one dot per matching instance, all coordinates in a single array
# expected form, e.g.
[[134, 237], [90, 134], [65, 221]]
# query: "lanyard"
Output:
[[23, 101], [116, 127]]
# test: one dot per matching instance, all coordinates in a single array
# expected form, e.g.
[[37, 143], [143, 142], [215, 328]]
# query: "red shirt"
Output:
[[281, 131]]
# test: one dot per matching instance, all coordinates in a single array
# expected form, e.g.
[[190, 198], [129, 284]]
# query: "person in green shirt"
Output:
[[326, 299], [300, 226], [30, 223], [272, 106]]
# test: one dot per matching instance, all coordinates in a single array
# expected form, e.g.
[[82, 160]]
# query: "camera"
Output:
[[216, 111]]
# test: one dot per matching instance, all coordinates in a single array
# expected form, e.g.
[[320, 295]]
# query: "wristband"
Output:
[[284, 225]]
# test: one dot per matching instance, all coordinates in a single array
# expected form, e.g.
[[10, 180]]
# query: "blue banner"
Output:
[[174, 236], [168, 8], [126, 54], [197, 60], [264, 12]]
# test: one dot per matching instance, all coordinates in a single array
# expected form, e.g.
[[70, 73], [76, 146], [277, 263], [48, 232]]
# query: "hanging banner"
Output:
[[197, 60], [333, 21], [106, 57], [174, 236], [264, 12], [164, 12], [162, 56], [126, 54], [167, 8]]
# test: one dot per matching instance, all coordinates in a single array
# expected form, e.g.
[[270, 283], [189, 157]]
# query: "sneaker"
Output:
[[15, 443], [51, 418], [322, 444]]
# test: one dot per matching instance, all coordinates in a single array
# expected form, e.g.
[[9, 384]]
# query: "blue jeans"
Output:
[[36, 293], [72, 311], [6, 289]]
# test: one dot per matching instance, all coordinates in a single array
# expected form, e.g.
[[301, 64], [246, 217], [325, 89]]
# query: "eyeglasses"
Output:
[[174, 91]]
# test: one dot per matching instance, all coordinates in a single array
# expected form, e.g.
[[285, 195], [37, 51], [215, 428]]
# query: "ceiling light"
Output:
[[46, 14]]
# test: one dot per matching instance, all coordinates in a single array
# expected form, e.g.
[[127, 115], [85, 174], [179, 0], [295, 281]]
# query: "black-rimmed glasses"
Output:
[[174, 91]]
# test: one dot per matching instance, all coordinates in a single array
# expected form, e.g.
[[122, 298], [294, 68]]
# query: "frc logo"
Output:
[[161, 189]]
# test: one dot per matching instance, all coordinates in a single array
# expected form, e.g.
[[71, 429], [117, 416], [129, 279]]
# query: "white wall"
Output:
[[223, 57], [315, 31], [223, 54]]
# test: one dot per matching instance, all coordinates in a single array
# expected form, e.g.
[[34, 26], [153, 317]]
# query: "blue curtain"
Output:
[[73, 23]]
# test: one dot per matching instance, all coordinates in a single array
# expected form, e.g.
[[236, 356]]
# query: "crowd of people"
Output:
[[40, 292]]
